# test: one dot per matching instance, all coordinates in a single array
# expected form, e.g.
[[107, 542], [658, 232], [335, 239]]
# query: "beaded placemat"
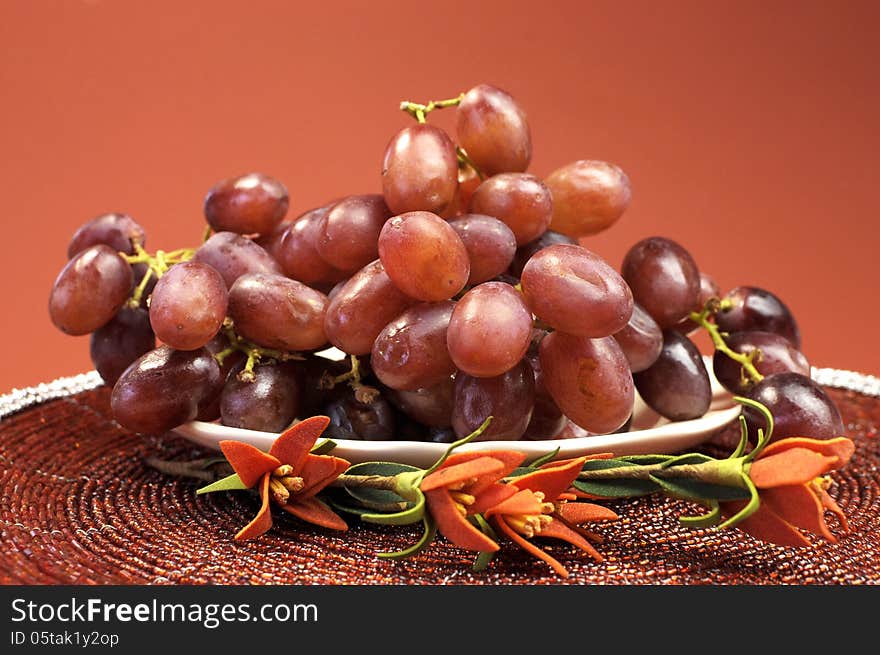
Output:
[[80, 507]]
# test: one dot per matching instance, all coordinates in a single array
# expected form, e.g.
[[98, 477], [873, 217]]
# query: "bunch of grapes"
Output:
[[460, 292]]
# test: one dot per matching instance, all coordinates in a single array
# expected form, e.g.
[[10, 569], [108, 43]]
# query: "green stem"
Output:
[[714, 471], [420, 111], [465, 159], [746, 361]]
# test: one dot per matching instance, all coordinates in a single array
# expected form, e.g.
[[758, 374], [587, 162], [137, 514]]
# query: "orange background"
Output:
[[749, 129]]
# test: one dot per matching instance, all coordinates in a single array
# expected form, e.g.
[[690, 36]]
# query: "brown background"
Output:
[[749, 129]]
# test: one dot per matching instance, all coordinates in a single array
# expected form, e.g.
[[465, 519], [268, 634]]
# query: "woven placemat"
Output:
[[80, 507]]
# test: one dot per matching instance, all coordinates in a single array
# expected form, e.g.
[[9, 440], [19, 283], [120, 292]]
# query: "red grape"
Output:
[[188, 305], [520, 200], [490, 245], [346, 236], [588, 197], [664, 279], [508, 398], [249, 204], [494, 131], [420, 170]]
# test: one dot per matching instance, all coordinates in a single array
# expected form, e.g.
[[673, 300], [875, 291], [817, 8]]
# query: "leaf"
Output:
[[405, 517], [698, 490], [483, 559], [378, 497], [339, 499], [642, 460], [427, 537], [229, 483], [688, 458], [601, 464], [619, 488], [323, 447]]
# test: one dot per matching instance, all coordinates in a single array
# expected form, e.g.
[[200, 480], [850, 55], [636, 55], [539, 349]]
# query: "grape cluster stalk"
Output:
[[461, 289]]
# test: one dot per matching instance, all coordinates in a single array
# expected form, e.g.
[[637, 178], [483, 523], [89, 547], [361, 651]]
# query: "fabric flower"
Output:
[[788, 477], [289, 474], [542, 507]]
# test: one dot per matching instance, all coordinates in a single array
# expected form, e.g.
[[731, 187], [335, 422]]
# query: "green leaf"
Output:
[[378, 497], [698, 490], [405, 517], [619, 488], [543, 459], [688, 458], [642, 460], [427, 537], [483, 559], [323, 447], [704, 520], [229, 483], [602, 464]]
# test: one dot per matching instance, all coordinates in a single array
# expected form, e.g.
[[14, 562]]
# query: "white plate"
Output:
[[650, 434]]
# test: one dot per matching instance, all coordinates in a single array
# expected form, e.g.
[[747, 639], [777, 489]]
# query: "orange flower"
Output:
[[788, 477], [289, 474], [541, 507], [464, 485]]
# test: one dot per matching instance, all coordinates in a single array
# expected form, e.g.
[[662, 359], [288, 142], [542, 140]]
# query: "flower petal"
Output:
[[788, 467], [558, 530], [553, 480], [318, 471], [490, 497], [799, 506], [248, 462], [766, 525], [263, 520], [529, 547], [831, 506], [578, 513], [454, 526], [296, 442], [840, 447], [314, 511], [522, 502], [457, 473]]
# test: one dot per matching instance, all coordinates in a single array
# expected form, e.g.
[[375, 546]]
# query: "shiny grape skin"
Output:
[[490, 245], [188, 305], [676, 386], [359, 310], [114, 346], [297, 252], [520, 200], [249, 204], [589, 379], [346, 236], [372, 421], [89, 290], [233, 255], [778, 355], [641, 339], [468, 181], [164, 389], [800, 408], [424, 257], [420, 170], [547, 419], [276, 312], [430, 406], [708, 289], [576, 291], [119, 231], [508, 398], [268, 403], [410, 352], [490, 330], [664, 279], [588, 197], [493, 130], [524, 252], [758, 309]]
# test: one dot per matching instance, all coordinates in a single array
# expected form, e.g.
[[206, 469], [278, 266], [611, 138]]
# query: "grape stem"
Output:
[[255, 354], [701, 318], [465, 159], [157, 265], [419, 111], [363, 393]]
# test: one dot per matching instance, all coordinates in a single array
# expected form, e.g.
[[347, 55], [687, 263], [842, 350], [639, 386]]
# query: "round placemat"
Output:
[[81, 507]]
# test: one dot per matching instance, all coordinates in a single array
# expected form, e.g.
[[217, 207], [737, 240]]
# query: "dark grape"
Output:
[[588, 197], [641, 339], [119, 231], [664, 279], [410, 352], [777, 355], [589, 379], [188, 305], [490, 245], [493, 130], [233, 255], [507, 398], [209, 410], [708, 289], [346, 237], [520, 200], [372, 421], [490, 330], [89, 290], [430, 406], [163, 389], [676, 386], [267, 403], [524, 252], [424, 256], [576, 291], [359, 310], [276, 312], [420, 170], [249, 204], [547, 419], [800, 408], [758, 309], [114, 346]]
